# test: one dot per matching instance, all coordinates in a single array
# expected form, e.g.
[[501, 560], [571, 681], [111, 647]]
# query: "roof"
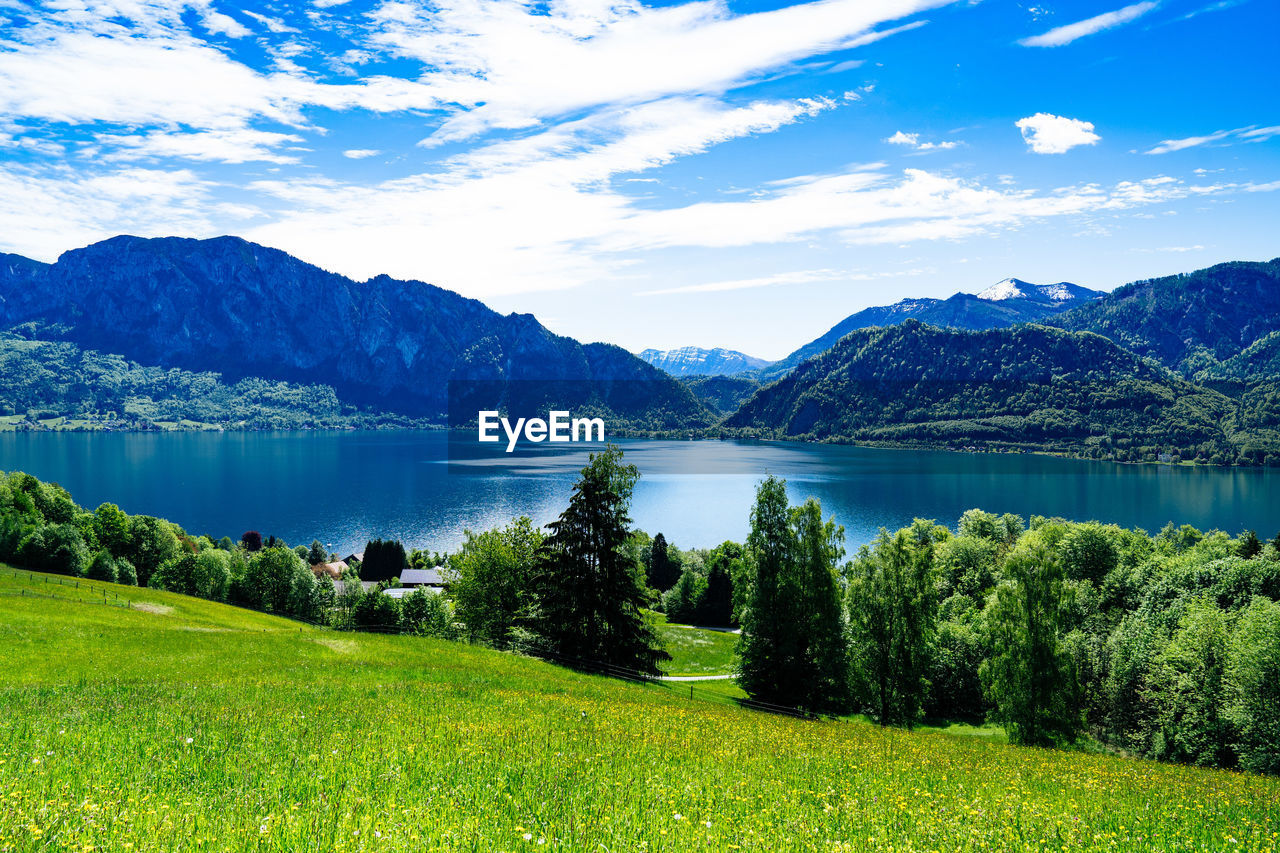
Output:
[[402, 591], [422, 577], [358, 557]]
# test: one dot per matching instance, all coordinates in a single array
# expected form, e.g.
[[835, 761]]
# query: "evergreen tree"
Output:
[[716, 606], [768, 651], [663, 571], [589, 588], [383, 560], [1248, 545], [316, 553], [792, 649], [820, 547]]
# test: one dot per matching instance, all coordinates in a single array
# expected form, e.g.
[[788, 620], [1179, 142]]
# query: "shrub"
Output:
[[103, 567]]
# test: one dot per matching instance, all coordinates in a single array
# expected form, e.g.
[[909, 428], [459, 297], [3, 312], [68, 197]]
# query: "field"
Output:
[[177, 724], [696, 651]]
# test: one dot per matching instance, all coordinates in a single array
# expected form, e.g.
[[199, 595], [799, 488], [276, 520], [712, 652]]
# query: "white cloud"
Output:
[[1248, 134], [1261, 134], [1050, 134], [553, 220], [239, 145], [912, 140], [784, 278], [43, 214], [360, 153], [505, 66], [794, 277], [1059, 36]]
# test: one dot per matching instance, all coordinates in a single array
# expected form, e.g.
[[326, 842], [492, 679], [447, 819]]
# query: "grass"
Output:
[[190, 726], [696, 651]]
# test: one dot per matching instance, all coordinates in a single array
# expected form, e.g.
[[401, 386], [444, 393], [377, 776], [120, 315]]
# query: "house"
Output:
[[333, 570], [354, 558], [430, 578]]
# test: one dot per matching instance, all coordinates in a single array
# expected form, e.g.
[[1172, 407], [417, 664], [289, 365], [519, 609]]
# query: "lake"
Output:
[[426, 488]]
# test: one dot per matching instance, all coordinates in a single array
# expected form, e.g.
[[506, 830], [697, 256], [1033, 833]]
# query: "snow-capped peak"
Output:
[[1016, 288], [1010, 288]]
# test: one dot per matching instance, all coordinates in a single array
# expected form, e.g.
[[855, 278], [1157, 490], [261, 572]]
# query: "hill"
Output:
[[177, 724], [1190, 322], [1030, 386], [1006, 303], [41, 381], [244, 310], [721, 394], [696, 361]]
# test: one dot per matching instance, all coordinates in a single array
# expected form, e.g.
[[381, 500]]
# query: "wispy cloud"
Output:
[[1045, 133], [1251, 133], [360, 153], [1059, 36], [795, 277]]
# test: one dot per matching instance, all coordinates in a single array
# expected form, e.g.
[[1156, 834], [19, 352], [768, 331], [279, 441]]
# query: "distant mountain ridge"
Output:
[[1029, 386], [1189, 322], [1004, 304], [245, 310], [696, 361]]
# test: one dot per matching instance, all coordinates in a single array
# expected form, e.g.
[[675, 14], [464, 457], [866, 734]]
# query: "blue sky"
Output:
[[709, 173]]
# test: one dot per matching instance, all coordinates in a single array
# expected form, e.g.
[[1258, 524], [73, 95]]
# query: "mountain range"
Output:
[[1006, 303], [132, 331], [245, 310], [1030, 386], [696, 361]]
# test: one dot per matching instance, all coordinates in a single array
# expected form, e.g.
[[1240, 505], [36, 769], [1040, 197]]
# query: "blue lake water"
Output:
[[426, 488]]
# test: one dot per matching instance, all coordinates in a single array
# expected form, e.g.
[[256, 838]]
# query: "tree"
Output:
[[491, 580], [1029, 676], [589, 589], [769, 648], [820, 547], [377, 611], [716, 607], [1253, 686], [1248, 546], [383, 560], [103, 567], [892, 606], [205, 575], [58, 548], [317, 553], [270, 579], [427, 614], [792, 648], [1089, 553], [1188, 688], [663, 571], [152, 543], [252, 540], [111, 526], [682, 602]]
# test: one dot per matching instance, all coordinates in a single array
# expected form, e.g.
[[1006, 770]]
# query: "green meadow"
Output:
[[137, 720]]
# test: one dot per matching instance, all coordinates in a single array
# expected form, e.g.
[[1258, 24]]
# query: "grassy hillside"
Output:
[[177, 724]]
